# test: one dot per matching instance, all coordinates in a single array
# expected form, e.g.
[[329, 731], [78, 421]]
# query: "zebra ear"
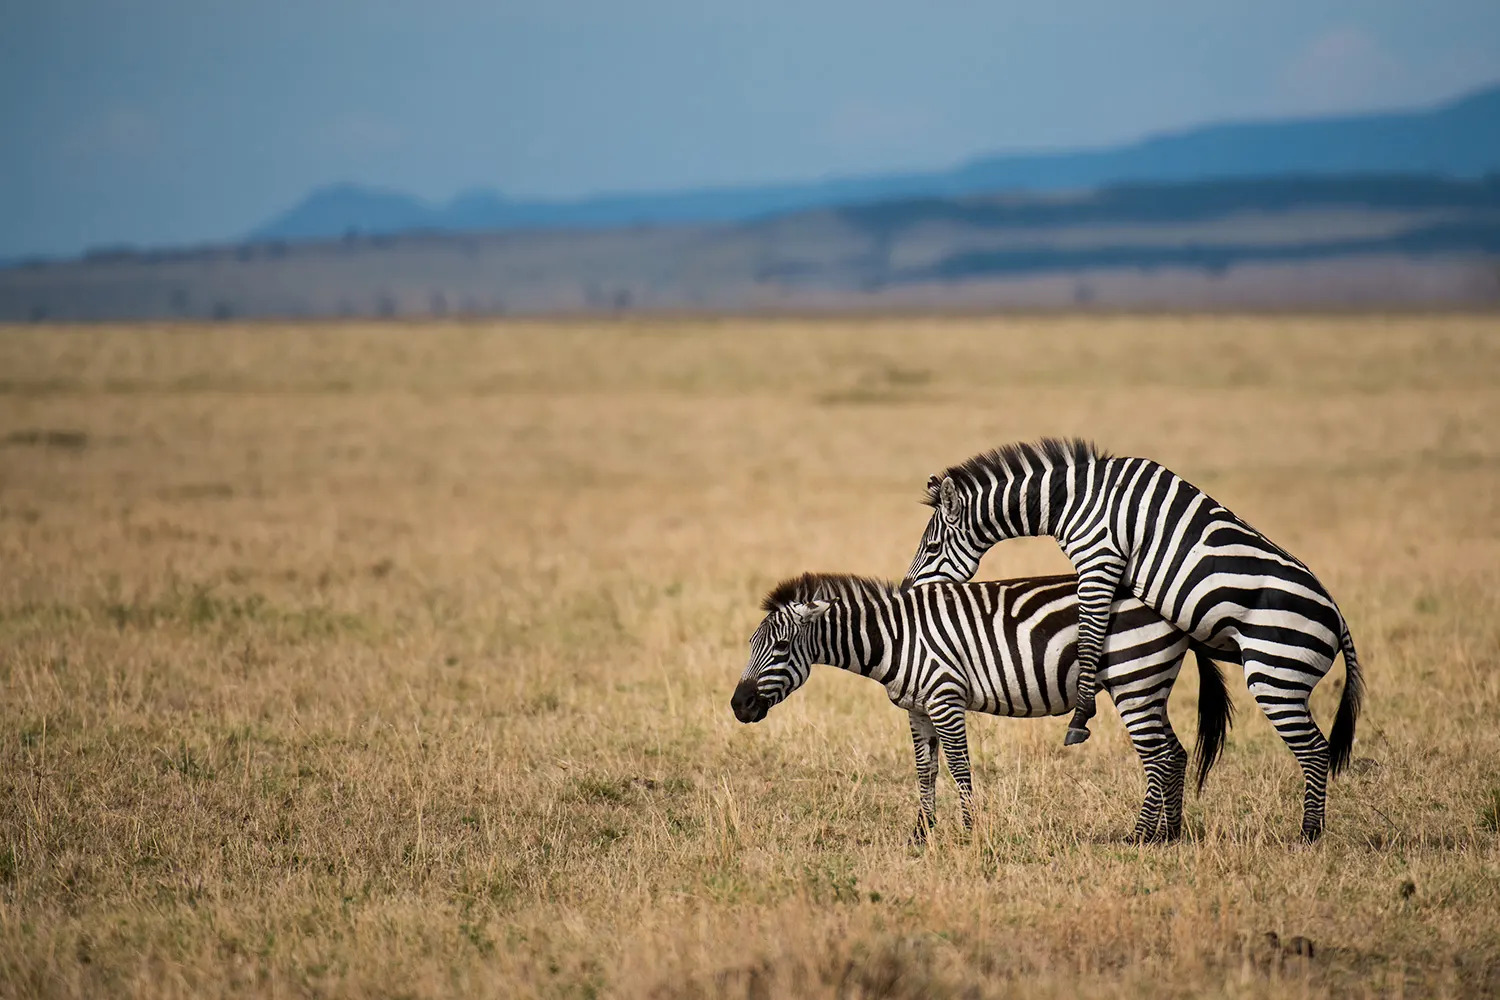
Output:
[[934, 483], [948, 493], [808, 613]]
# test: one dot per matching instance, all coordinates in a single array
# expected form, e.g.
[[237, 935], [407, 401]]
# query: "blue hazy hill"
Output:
[[1457, 139]]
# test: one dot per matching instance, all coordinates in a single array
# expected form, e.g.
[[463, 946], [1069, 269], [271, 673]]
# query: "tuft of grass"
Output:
[[200, 608], [888, 385], [1489, 812], [63, 440], [592, 789]]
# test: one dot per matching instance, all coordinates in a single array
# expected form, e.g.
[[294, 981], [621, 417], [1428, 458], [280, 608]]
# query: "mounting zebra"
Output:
[[1129, 523], [1003, 648]]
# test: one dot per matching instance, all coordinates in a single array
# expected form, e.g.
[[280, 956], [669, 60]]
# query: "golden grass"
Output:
[[343, 660]]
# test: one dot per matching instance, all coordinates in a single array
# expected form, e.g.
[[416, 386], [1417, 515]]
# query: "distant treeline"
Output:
[[1455, 238], [1188, 202], [1472, 206]]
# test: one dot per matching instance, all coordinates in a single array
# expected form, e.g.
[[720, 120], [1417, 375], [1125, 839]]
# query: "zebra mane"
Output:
[[821, 586], [1018, 457]]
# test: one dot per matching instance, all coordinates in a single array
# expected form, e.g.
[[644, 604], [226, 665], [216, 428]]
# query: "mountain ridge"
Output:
[[1459, 138]]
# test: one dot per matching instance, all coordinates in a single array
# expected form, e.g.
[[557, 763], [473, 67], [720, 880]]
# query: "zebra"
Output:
[[1002, 648], [1131, 525]]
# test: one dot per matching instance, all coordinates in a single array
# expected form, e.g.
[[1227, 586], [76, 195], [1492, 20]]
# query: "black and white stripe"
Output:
[[1132, 526], [1003, 648]]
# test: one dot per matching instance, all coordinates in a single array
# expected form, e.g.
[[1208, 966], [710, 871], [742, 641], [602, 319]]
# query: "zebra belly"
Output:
[[1142, 651]]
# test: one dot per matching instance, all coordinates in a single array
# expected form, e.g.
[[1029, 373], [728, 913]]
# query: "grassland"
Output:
[[395, 660]]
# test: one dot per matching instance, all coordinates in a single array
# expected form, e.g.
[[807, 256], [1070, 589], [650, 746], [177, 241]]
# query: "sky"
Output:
[[160, 122]]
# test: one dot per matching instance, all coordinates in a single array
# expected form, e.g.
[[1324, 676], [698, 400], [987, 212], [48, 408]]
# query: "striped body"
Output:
[[1131, 525], [1002, 648]]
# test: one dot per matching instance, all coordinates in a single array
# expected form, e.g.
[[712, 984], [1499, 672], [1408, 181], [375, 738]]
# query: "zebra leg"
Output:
[[948, 720], [1098, 579], [1164, 760], [1149, 821], [1285, 706], [1174, 775], [924, 741]]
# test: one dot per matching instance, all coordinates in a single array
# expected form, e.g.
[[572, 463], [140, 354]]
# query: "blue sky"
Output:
[[168, 121]]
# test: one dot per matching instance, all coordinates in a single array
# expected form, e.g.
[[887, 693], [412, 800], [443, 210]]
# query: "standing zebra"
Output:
[[1130, 521], [1004, 648]]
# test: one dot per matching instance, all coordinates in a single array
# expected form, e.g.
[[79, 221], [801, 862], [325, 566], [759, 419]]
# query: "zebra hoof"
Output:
[[1154, 836], [1310, 833], [1075, 736]]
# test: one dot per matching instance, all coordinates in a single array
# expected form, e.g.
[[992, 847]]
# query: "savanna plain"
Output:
[[395, 660]]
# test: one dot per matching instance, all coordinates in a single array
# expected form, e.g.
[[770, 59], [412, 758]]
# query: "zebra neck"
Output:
[[1039, 501], [852, 638], [1022, 504], [1075, 501]]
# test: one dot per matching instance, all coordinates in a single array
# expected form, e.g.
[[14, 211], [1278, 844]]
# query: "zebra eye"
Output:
[[780, 646]]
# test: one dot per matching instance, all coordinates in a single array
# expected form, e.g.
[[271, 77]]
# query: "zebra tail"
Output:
[[1215, 712], [1341, 745]]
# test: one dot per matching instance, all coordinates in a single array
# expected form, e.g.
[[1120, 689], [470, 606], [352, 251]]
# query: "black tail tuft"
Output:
[[1215, 712], [1341, 744]]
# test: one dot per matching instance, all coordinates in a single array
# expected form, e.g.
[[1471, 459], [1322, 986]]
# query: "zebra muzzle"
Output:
[[747, 703]]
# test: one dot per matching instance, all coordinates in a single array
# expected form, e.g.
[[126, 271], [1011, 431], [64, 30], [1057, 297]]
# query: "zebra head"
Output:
[[780, 659], [949, 549]]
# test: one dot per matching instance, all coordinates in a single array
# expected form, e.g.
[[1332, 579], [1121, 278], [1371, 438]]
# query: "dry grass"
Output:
[[347, 660]]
